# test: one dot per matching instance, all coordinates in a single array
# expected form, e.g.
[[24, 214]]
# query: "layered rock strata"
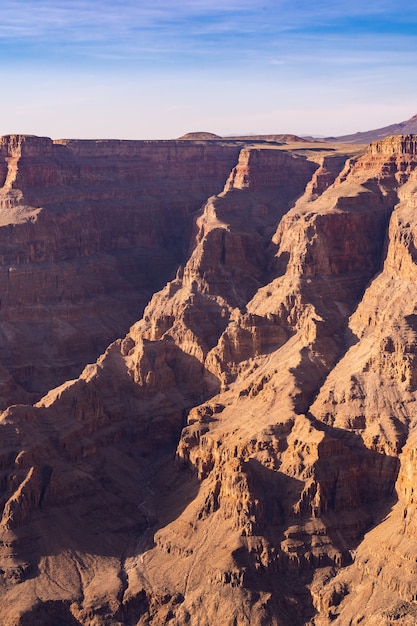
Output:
[[245, 455], [88, 231]]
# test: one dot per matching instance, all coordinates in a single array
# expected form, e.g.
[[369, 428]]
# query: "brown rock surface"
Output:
[[246, 454], [88, 231]]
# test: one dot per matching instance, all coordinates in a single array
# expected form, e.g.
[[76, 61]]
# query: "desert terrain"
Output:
[[208, 381]]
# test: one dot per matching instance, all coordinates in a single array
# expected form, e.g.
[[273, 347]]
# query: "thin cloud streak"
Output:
[[84, 20], [45, 17]]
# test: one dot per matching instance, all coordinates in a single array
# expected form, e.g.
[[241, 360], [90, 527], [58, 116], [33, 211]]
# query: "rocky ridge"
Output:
[[244, 455]]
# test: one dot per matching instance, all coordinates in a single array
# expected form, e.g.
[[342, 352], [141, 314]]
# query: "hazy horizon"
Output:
[[156, 70]]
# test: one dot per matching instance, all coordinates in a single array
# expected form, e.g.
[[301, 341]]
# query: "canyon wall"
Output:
[[245, 454], [88, 231]]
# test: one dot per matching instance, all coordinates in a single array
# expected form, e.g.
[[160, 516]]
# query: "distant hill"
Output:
[[201, 135], [408, 127], [280, 138], [205, 136]]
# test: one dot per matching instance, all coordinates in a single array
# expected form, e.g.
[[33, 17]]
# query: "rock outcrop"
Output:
[[245, 454]]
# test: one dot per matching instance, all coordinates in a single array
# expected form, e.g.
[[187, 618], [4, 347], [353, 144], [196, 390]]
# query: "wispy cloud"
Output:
[[121, 29], [128, 27], [37, 18]]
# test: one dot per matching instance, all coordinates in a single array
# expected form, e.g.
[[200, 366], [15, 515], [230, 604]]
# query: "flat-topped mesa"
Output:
[[15, 147], [31, 145], [40, 164], [25, 145], [263, 168], [394, 145], [153, 149]]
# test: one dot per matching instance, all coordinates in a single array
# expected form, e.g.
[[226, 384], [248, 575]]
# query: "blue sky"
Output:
[[158, 68]]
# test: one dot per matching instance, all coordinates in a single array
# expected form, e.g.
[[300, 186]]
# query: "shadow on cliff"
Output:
[[50, 613], [283, 576], [110, 480], [352, 490], [352, 478], [104, 523]]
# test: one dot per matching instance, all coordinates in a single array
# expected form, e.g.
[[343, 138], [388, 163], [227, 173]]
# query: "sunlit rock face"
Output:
[[245, 452]]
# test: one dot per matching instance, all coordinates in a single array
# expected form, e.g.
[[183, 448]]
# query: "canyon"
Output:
[[208, 382]]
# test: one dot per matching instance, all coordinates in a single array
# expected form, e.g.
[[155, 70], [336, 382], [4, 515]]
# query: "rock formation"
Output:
[[245, 454], [88, 231]]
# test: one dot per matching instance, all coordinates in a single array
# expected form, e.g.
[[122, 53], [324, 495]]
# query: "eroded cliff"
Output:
[[244, 455]]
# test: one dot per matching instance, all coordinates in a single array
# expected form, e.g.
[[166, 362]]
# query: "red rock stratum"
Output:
[[245, 453]]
